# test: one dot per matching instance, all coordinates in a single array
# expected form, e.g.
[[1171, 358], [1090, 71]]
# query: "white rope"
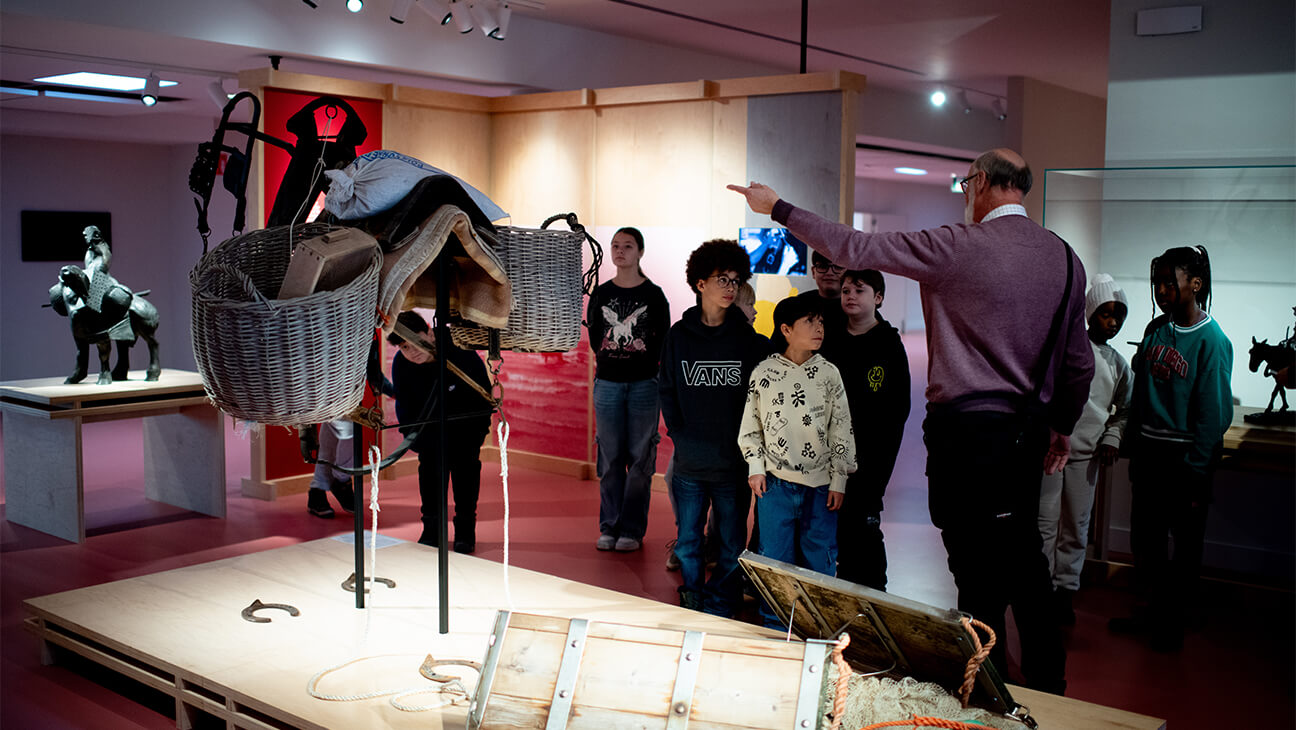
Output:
[[312, 688], [502, 430], [375, 457]]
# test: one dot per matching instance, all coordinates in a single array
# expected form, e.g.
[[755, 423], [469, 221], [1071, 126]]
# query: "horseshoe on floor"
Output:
[[257, 605], [428, 669], [349, 583]]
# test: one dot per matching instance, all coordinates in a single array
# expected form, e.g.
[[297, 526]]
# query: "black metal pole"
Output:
[[805, 22], [357, 489], [443, 348]]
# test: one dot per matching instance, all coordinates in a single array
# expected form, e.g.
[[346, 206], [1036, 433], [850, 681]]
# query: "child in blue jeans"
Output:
[[797, 441]]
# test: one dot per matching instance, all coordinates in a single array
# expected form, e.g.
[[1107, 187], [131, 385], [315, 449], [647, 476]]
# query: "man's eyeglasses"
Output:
[[727, 283], [823, 268], [963, 183]]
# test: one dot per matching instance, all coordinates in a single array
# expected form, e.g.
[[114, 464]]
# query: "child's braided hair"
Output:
[[1194, 261]]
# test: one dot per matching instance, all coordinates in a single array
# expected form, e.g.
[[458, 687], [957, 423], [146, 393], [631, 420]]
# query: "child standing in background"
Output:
[[1182, 405], [628, 318], [875, 373], [1066, 497], [796, 438]]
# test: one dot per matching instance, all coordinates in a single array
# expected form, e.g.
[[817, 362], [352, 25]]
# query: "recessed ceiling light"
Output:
[[938, 98], [910, 171], [109, 82]]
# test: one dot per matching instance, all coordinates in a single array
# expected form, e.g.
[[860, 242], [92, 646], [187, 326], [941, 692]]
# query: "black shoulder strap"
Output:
[[1050, 343]]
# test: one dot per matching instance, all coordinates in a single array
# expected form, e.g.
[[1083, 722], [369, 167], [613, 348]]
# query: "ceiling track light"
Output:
[[216, 90], [439, 11], [483, 17], [151, 86], [997, 106], [355, 6], [400, 8], [462, 17], [963, 102], [938, 98], [502, 15]]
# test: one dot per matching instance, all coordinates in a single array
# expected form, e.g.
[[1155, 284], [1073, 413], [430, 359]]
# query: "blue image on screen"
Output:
[[774, 251]]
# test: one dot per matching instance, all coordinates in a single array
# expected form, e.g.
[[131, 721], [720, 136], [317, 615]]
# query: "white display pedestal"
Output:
[[184, 445]]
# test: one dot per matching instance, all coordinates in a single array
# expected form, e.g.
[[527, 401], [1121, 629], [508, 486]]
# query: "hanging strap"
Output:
[[1050, 343]]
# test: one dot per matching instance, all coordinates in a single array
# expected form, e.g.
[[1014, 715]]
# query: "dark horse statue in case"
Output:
[[101, 311], [1280, 364]]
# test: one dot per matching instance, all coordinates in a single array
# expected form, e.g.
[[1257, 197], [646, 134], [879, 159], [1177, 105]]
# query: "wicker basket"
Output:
[[279, 362], [544, 267]]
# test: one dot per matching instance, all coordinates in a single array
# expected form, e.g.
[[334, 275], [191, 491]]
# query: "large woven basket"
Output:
[[279, 362], [544, 268]]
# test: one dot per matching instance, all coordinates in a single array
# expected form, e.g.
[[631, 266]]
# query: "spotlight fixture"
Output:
[[355, 6], [997, 106], [462, 17], [439, 11], [216, 90], [938, 98], [963, 103], [483, 17], [505, 12], [400, 8], [151, 85]]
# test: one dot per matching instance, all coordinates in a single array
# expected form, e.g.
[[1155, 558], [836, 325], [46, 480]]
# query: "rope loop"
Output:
[[978, 658]]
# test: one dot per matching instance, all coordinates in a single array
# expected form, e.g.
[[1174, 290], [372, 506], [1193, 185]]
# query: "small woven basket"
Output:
[[279, 362], [544, 268]]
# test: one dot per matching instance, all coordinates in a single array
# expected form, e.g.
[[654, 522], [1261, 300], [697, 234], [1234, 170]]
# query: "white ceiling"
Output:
[[911, 46]]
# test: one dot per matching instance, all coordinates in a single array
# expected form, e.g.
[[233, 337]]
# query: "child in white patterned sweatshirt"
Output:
[[796, 438]]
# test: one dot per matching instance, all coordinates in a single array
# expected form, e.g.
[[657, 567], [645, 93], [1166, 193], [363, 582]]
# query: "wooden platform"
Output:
[[181, 632]]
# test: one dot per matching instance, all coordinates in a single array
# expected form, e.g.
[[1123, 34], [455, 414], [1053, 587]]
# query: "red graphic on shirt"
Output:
[[1165, 360]]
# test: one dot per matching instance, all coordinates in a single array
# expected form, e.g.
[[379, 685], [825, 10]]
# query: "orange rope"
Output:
[[978, 657], [916, 722], [843, 681]]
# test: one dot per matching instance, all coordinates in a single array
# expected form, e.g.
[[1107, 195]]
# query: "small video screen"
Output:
[[774, 251]]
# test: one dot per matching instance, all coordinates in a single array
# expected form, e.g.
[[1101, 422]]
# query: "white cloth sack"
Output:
[[377, 181]]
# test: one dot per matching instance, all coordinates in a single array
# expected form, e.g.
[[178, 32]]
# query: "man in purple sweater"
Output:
[[1005, 387]]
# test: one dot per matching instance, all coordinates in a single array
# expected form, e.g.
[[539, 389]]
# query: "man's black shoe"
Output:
[[317, 503], [343, 493]]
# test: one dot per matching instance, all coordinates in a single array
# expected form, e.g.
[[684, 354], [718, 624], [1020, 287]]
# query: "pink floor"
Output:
[[1236, 669]]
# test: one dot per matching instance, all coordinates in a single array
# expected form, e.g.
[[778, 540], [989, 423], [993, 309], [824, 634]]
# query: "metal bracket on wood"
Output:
[[568, 670], [685, 680]]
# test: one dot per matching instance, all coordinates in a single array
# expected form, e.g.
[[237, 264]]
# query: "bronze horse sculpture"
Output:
[[101, 311], [1278, 361]]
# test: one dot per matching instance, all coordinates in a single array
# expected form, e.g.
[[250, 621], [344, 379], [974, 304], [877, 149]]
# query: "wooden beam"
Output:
[[440, 99], [542, 102], [268, 77]]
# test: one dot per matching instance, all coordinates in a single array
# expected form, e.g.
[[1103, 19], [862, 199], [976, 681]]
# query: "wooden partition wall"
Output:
[[656, 157]]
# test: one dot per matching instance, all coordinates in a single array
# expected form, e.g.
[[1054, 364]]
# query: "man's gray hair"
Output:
[[1002, 173]]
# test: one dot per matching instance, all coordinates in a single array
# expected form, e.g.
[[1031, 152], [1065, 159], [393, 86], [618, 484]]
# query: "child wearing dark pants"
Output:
[[875, 372], [1182, 405], [415, 379]]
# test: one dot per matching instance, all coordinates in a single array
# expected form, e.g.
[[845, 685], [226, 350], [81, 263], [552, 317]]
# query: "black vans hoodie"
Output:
[[703, 386]]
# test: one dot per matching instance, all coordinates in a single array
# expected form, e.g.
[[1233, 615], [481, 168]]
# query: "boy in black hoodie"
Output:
[[707, 359], [875, 371]]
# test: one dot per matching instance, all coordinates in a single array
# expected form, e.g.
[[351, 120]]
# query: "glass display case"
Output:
[[1118, 219]]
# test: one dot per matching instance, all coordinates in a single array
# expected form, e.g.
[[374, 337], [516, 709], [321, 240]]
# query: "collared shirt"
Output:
[[1003, 210]]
